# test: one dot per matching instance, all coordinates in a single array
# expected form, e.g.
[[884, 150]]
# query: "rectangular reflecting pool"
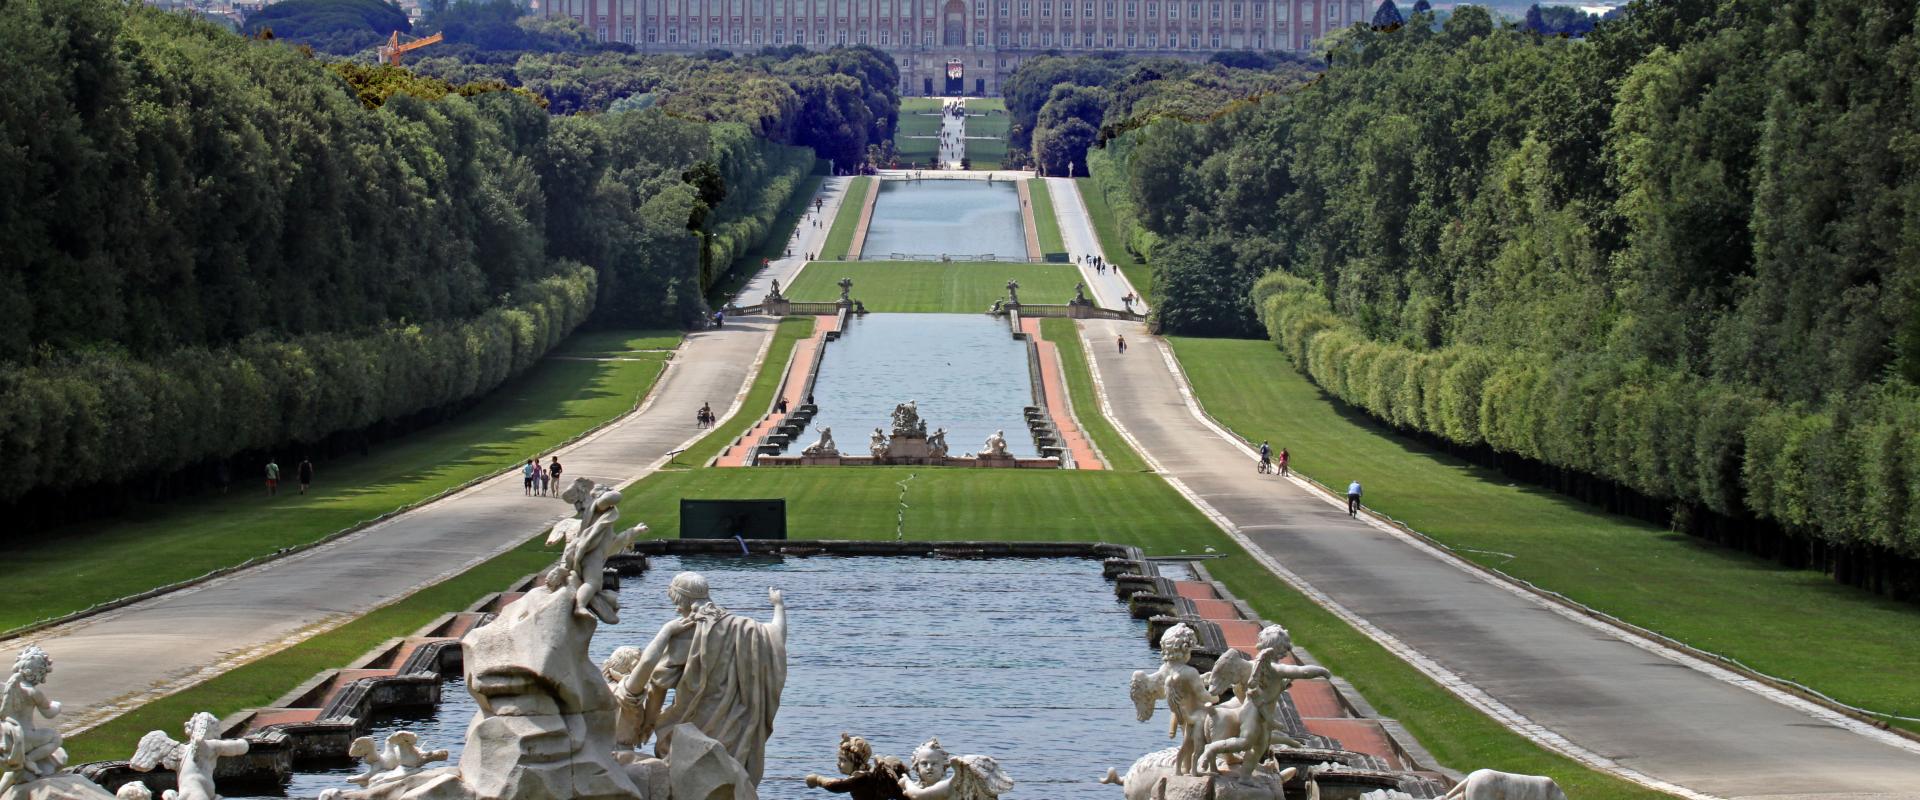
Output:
[[959, 218], [1025, 660], [966, 372]]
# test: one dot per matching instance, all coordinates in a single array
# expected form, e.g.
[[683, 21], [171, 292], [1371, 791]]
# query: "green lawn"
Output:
[[1112, 245], [915, 121], [61, 572], [931, 286], [1045, 224], [846, 219], [1795, 624], [987, 153], [1130, 507], [1065, 334]]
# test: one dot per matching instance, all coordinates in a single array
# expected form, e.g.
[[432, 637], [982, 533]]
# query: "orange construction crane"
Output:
[[390, 52]]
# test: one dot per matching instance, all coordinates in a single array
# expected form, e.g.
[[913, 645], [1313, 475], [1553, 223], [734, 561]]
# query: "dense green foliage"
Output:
[[332, 26], [210, 244], [838, 102], [1063, 105], [1679, 256]]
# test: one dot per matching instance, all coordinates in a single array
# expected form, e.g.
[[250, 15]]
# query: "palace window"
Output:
[[926, 39], [1259, 10], [1109, 41], [1216, 10], [779, 36], [1153, 10], [1236, 10], [1026, 8], [1216, 41], [1003, 8], [736, 35], [1004, 38], [673, 35], [1333, 12], [861, 37], [1193, 42], [1173, 11], [1259, 40], [883, 37], [1110, 9], [1193, 11], [1131, 43], [980, 38], [1153, 40], [1088, 12], [1086, 40], [653, 33], [841, 35], [1046, 38], [1026, 38], [1133, 10], [1046, 8]]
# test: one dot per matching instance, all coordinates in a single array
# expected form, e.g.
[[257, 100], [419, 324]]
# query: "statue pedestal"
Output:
[[902, 447]]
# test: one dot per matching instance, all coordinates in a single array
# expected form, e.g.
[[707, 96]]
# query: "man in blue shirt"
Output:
[[1353, 499]]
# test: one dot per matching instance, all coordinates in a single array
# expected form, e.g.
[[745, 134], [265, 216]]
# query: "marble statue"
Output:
[[1181, 686], [974, 777], [28, 752], [907, 421], [995, 446], [867, 778], [775, 294], [133, 790], [1260, 711], [1486, 784], [1013, 293], [877, 444], [401, 757], [846, 288], [823, 447], [725, 671], [937, 443], [192, 761], [1152, 777], [591, 537]]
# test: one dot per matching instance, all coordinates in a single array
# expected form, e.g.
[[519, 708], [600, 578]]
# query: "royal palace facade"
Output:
[[964, 46]]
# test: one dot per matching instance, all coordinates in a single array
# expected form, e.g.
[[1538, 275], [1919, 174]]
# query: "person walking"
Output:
[[306, 474], [526, 478], [1266, 458], [1353, 499], [553, 471], [1122, 341], [1283, 462], [273, 477], [539, 479]]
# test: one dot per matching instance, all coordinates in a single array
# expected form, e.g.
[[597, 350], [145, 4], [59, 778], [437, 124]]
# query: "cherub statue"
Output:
[[775, 294], [1260, 710], [823, 447], [937, 443], [591, 538], [974, 777], [28, 752], [1013, 293], [402, 757], [996, 445], [1221, 720], [867, 778], [1185, 693], [134, 790], [878, 444], [192, 761]]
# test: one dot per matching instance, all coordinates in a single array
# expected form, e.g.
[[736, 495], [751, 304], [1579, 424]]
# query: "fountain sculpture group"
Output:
[[552, 725], [908, 442]]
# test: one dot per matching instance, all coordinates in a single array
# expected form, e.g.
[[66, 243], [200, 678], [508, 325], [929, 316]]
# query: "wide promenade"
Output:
[[114, 661], [1606, 697]]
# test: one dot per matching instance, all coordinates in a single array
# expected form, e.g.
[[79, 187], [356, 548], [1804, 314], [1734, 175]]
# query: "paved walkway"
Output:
[[1076, 230], [953, 145], [806, 239], [1616, 701], [114, 661]]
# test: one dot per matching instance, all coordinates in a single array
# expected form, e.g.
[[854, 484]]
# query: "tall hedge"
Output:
[[1846, 471], [103, 416]]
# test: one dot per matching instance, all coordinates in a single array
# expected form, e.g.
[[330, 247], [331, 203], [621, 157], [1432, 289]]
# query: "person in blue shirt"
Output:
[[1353, 499]]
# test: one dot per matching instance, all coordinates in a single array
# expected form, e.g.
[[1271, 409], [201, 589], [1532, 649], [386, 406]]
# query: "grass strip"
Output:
[[1795, 624], [846, 220], [264, 680], [1106, 225], [774, 245], [1046, 225], [1065, 335], [61, 571], [759, 396], [933, 286]]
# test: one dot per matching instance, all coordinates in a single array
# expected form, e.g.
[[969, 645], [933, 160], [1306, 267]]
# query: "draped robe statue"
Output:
[[725, 671]]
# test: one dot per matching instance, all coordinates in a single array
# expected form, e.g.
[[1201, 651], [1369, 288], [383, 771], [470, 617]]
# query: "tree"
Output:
[[1387, 16], [1062, 149], [1421, 7], [1535, 22]]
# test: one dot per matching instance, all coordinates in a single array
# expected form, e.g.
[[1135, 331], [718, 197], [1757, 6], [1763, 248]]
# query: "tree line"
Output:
[[211, 244], [1677, 257]]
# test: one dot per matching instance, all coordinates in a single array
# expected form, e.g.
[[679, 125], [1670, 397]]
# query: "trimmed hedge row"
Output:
[[1847, 472], [101, 416], [760, 176]]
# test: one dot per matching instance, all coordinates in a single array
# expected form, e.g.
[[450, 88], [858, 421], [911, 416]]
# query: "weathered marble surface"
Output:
[[973, 777], [28, 752], [193, 761], [1487, 784], [64, 786]]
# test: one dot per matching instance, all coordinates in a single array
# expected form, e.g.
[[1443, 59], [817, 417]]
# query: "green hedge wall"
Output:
[[102, 416], [1846, 471]]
